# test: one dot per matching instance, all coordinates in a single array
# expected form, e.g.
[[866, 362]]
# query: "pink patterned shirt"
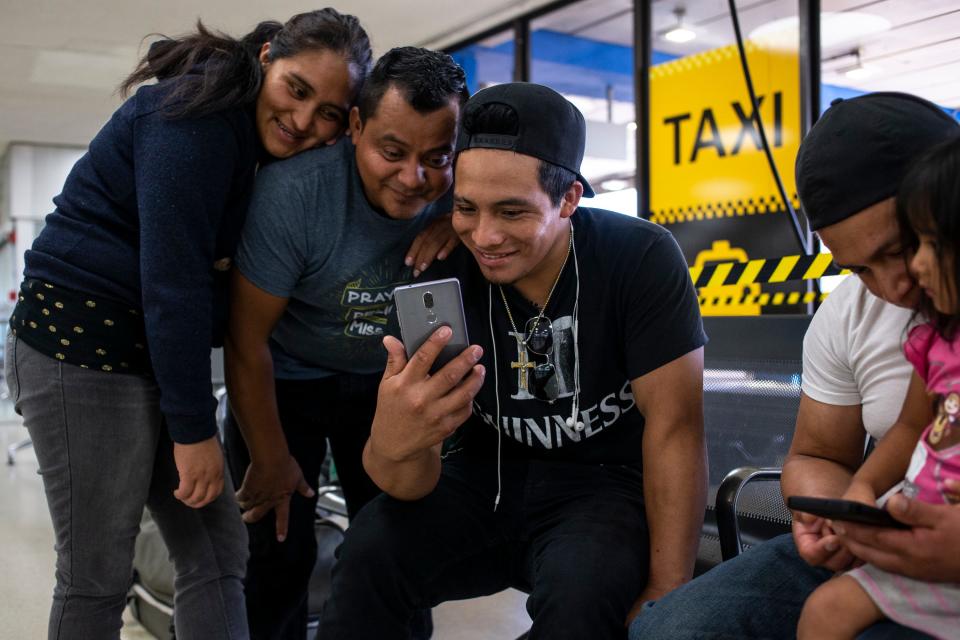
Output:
[[937, 455]]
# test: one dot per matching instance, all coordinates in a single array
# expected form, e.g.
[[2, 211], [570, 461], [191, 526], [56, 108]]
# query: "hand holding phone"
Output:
[[424, 307], [847, 510]]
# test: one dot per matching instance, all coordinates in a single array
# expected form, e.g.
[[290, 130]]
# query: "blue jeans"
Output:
[[574, 535], [104, 454], [757, 595]]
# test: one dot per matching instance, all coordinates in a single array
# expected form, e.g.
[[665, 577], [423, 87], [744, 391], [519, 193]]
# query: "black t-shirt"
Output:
[[637, 311]]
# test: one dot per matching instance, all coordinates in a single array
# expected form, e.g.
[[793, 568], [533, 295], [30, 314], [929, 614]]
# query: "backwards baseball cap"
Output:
[[860, 149], [549, 127]]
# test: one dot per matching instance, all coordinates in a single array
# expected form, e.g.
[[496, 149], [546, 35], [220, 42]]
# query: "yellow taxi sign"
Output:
[[706, 158]]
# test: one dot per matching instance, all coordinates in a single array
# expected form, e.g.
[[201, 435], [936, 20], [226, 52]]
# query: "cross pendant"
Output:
[[523, 365]]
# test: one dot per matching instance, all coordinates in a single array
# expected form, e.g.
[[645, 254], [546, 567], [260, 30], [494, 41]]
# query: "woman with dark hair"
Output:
[[123, 297]]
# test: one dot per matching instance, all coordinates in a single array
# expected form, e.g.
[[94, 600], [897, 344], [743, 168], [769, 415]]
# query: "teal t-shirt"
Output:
[[312, 236]]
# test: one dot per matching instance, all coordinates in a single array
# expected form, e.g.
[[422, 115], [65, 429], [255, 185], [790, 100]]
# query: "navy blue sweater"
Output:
[[142, 218]]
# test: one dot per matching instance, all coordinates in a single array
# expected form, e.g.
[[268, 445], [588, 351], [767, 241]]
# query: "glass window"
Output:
[[710, 181], [487, 62], [585, 52], [894, 45]]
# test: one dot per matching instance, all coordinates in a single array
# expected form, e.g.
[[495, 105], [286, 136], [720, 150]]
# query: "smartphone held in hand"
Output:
[[423, 308], [848, 510]]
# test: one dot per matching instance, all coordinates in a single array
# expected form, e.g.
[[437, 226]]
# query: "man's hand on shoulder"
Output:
[[433, 243]]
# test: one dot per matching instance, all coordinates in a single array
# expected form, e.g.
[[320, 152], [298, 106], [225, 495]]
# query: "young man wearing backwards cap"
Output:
[[575, 467], [854, 380]]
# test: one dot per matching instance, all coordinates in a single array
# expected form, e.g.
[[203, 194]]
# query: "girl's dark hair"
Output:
[[929, 202], [219, 72], [502, 119]]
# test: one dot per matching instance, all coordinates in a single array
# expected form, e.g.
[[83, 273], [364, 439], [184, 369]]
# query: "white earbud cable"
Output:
[[574, 422], [496, 389]]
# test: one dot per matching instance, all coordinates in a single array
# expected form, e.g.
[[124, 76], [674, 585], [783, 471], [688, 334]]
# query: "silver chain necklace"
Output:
[[543, 309]]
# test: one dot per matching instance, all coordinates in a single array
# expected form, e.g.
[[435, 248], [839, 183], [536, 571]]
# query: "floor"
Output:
[[26, 582]]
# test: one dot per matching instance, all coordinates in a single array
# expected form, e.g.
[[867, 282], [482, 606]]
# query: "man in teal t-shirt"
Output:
[[322, 249]]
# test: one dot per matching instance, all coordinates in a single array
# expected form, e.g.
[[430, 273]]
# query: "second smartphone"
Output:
[[837, 509]]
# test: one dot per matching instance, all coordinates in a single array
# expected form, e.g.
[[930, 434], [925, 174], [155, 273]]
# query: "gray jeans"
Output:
[[104, 454]]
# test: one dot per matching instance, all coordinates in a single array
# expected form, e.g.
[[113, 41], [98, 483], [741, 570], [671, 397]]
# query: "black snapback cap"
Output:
[[549, 128], [859, 150]]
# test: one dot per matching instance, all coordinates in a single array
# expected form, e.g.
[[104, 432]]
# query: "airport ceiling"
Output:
[[904, 45], [60, 60]]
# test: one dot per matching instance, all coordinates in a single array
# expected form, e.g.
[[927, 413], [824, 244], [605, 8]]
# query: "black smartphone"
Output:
[[424, 307], [848, 510]]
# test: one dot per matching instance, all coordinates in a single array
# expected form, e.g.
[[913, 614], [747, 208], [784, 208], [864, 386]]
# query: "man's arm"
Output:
[[674, 468], [827, 448], [273, 474], [416, 411]]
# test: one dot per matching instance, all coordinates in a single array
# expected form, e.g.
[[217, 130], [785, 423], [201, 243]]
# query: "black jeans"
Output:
[[573, 535], [338, 408]]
